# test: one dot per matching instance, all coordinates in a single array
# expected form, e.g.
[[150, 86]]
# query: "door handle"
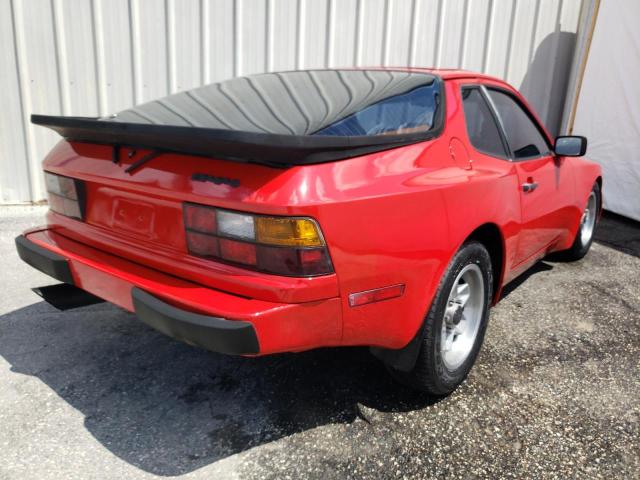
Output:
[[529, 187]]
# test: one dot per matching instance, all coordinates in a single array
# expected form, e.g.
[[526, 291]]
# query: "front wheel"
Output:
[[588, 223], [455, 325]]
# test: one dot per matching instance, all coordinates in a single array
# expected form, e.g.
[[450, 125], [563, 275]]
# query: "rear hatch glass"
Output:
[[322, 102], [278, 119]]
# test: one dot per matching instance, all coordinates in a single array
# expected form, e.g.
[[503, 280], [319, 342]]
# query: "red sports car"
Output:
[[287, 211]]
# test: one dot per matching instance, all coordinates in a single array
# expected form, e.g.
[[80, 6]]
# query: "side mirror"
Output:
[[570, 146]]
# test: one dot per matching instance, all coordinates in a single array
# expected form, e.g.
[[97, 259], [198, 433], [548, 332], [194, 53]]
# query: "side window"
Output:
[[523, 135], [481, 127]]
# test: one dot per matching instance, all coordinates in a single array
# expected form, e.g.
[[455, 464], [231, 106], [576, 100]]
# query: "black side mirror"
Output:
[[574, 146]]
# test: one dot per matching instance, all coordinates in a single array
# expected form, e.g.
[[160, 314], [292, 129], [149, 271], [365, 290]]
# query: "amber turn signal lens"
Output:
[[289, 232]]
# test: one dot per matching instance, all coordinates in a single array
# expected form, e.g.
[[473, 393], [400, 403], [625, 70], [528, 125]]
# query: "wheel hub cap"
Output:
[[462, 317], [588, 220], [454, 314]]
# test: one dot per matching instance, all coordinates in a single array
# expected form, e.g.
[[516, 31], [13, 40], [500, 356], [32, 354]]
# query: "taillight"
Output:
[[66, 195], [291, 246]]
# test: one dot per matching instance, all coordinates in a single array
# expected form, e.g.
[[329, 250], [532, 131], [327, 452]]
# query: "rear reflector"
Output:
[[376, 295], [290, 246], [66, 195]]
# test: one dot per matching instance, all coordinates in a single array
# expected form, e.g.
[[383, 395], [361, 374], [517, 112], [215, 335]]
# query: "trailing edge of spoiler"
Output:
[[262, 148]]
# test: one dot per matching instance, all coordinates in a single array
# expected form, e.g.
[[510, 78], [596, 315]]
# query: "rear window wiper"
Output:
[[148, 157], [115, 155]]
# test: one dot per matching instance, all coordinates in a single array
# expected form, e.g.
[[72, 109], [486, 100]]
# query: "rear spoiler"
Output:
[[262, 148]]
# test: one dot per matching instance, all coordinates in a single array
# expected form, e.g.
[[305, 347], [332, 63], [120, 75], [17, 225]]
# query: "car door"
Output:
[[543, 180]]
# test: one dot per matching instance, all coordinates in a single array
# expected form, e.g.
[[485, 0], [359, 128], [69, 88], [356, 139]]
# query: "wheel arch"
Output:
[[599, 182], [490, 235]]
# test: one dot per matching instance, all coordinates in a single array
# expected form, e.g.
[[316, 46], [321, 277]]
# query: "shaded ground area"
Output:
[[620, 233], [93, 393]]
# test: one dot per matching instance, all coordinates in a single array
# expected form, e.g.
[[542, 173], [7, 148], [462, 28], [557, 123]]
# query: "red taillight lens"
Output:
[[66, 195], [203, 245], [238, 252], [200, 219], [289, 246], [293, 261]]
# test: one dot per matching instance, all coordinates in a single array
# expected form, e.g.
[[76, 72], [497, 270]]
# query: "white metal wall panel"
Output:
[[41, 90], [219, 39], [524, 22], [283, 35], [371, 24], [314, 28], [76, 56], [500, 26], [14, 168], [426, 32], [476, 30], [184, 35], [397, 47], [150, 49], [114, 54], [251, 36], [94, 57], [342, 36], [450, 33]]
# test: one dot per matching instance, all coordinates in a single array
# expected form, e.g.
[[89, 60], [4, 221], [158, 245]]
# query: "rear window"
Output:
[[406, 113], [311, 102]]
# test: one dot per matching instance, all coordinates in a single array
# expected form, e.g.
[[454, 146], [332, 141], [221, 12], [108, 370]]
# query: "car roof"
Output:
[[444, 73]]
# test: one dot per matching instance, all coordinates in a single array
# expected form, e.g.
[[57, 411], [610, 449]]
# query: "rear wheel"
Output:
[[588, 223], [455, 325]]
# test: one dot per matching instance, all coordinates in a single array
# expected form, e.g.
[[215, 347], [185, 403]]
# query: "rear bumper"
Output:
[[213, 333], [189, 312], [46, 261]]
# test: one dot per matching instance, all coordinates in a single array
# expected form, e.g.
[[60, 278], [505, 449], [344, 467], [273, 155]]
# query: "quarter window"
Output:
[[523, 135], [481, 126]]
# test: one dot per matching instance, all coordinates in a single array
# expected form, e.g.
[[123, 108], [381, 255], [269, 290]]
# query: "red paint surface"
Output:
[[389, 218]]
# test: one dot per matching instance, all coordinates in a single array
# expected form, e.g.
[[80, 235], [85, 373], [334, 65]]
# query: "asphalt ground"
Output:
[[94, 393]]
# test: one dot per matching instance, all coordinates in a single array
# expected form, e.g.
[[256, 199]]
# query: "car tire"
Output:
[[442, 364], [588, 223]]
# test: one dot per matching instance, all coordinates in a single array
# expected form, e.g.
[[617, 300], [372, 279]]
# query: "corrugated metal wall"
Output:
[[93, 57]]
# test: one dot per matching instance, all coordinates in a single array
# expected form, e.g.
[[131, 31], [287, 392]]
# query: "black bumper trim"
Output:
[[46, 261], [213, 333]]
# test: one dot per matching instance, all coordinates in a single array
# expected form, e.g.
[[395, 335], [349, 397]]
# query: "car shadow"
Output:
[[541, 266], [614, 231], [619, 233], [169, 408]]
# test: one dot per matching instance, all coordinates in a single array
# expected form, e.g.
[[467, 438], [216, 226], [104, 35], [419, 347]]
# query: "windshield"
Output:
[[311, 102]]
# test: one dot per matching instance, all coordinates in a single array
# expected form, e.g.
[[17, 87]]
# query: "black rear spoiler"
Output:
[[263, 148]]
